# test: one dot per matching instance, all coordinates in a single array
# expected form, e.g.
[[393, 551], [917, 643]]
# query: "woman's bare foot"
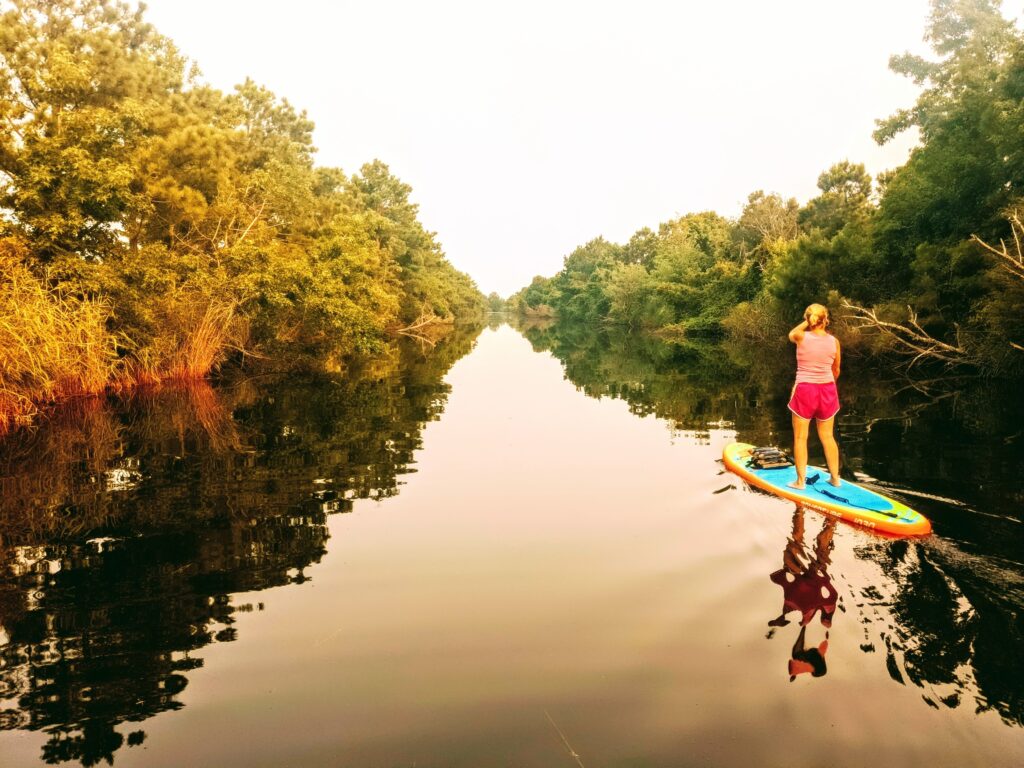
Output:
[[798, 484], [835, 482]]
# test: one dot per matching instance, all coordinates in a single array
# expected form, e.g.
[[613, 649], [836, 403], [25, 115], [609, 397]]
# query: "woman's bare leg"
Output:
[[828, 442], [801, 428]]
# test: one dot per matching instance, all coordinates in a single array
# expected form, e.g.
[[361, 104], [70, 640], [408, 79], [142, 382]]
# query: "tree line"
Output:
[[929, 254], [152, 226]]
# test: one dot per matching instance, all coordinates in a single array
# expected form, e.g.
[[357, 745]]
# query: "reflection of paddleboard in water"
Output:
[[849, 501]]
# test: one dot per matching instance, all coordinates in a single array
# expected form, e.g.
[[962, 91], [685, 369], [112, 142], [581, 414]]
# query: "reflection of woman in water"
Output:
[[807, 589]]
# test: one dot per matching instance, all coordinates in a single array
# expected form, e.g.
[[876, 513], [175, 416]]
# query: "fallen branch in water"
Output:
[[425, 319], [424, 340], [420, 327], [910, 339]]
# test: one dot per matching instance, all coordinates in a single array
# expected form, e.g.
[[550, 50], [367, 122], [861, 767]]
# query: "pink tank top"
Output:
[[814, 357]]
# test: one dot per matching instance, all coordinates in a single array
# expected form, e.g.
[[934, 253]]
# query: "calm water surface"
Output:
[[516, 549]]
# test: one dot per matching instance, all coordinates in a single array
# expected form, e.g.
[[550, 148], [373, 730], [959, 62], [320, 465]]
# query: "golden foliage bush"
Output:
[[52, 346], [193, 337]]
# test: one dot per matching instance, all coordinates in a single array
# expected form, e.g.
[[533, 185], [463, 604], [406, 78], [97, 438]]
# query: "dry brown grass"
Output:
[[204, 347], [55, 346], [194, 339], [52, 346]]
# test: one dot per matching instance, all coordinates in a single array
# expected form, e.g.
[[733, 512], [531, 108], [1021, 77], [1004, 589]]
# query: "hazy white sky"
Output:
[[528, 128]]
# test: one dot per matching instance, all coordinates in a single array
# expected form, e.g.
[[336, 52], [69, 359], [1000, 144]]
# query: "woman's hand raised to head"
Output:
[[797, 334]]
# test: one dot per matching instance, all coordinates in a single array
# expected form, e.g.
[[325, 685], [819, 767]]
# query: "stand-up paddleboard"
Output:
[[849, 501]]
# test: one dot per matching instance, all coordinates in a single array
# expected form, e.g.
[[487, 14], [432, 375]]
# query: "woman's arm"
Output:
[[797, 334], [835, 363]]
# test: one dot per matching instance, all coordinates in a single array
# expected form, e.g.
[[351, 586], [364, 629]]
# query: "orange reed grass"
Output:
[[55, 346], [52, 346], [194, 339]]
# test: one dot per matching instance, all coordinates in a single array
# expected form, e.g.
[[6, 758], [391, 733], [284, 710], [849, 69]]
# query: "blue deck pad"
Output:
[[850, 494]]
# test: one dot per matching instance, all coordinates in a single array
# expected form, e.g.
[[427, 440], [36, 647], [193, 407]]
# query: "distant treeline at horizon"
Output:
[[928, 255], [152, 226]]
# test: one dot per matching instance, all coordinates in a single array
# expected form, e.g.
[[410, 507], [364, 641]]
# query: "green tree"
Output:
[[699, 274], [539, 297], [845, 197], [630, 292], [80, 80], [433, 288], [580, 292], [495, 303], [641, 248], [969, 167], [766, 221]]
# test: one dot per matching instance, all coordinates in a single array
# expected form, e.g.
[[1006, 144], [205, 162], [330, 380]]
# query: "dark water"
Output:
[[509, 551]]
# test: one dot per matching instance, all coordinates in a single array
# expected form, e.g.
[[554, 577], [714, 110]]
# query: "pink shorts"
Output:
[[815, 401]]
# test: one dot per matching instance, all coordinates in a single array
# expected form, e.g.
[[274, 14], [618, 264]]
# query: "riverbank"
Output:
[[58, 346]]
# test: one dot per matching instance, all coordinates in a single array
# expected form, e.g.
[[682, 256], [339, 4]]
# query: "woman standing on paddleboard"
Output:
[[814, 394]]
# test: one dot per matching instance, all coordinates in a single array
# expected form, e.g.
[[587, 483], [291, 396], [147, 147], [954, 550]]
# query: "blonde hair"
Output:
[[817, 316]]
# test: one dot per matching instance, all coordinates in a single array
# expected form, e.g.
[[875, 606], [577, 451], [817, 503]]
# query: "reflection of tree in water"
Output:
[[691, 385], [952, 609], [952, 623], [125, 530], [100, 633]]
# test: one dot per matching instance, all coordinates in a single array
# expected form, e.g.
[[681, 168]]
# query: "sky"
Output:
[[526, 129]]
